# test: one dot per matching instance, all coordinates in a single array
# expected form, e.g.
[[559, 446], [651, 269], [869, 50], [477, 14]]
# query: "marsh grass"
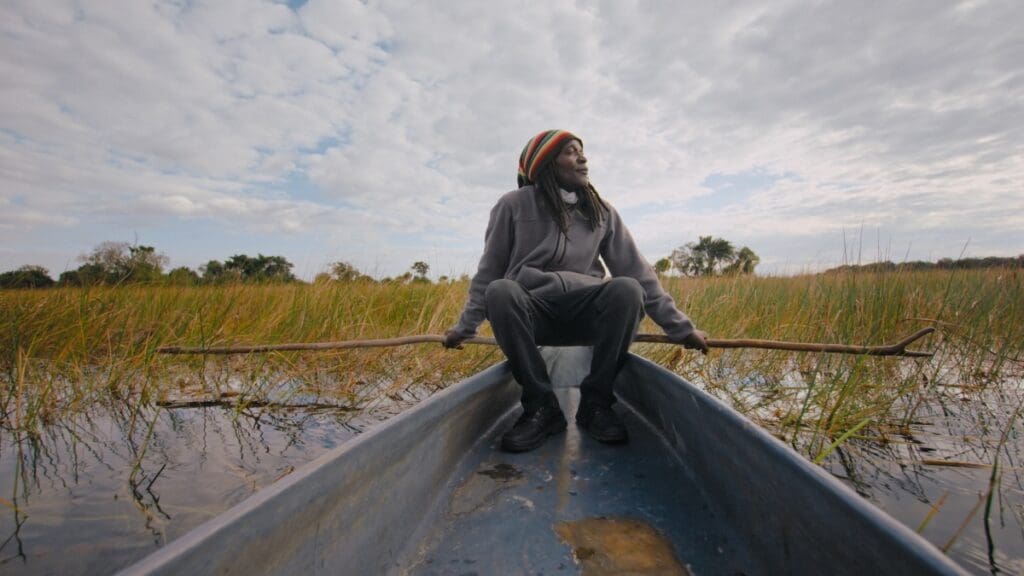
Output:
[[66, 350], [810, 400]]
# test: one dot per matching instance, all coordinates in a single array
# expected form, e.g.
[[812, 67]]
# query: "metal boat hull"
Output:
[[698, 489]]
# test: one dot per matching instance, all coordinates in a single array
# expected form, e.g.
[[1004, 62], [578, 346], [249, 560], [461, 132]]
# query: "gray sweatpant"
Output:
[[605, 316]]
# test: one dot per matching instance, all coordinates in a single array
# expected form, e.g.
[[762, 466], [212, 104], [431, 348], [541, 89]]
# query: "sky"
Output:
[[381, 133]]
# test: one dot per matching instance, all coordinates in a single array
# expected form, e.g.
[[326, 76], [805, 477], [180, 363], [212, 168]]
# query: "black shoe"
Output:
[[602, 423], [533, 428]]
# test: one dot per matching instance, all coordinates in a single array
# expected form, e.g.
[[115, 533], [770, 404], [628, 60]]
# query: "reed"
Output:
[[811, 399], [65, 350]]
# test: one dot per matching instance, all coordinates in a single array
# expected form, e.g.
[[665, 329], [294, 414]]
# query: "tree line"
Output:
[[116, 263], [120, 263], [941, 264]]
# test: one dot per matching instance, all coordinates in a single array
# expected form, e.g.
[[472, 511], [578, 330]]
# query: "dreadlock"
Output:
[[589, 201]]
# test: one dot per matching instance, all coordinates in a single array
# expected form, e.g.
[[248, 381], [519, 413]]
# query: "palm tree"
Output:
[[719, 252], [744, 263]]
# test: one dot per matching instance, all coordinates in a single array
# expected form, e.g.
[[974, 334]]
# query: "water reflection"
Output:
[[935, 475], [103, 488]]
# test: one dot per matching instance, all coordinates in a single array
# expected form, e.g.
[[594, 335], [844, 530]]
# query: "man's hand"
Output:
[[696, 340], [453, 339]]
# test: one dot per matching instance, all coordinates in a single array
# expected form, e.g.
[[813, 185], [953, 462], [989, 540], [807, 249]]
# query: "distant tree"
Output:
[[342, 271], [27, 276], [421, 269], [686, 261], [691, 259], [260, 269], [711, 256], [84, 275], [183, 276], [144, 264], [744, 262], [662, 266], [109, 258], [213, 272], [244, 268], [247, 267], [941, 264], [117, 262], [69, 278], [718, 252]]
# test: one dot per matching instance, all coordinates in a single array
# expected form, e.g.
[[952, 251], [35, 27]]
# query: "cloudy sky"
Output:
[[380, 133]]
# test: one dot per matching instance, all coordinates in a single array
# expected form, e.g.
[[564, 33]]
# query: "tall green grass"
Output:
[[65, 350], [811, 399]]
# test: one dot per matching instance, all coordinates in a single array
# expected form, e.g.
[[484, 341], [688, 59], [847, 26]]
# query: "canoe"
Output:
[[698, 489]]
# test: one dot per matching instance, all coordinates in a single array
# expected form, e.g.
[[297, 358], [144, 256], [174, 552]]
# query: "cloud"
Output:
[[404, 121]]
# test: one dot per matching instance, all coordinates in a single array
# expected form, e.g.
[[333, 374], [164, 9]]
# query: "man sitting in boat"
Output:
[[541, 281]]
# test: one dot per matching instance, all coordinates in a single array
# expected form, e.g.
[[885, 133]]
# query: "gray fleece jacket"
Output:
[[523, 243]]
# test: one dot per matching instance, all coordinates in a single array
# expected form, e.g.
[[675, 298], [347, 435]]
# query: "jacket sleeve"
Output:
[[498, 242], [622, 257]]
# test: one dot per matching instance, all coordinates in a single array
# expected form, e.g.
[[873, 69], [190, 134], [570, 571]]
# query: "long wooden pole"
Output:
[[897, 349]]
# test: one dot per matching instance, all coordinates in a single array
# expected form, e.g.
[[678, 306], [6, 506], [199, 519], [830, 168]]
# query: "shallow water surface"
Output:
[[100, 490], [935, 477]]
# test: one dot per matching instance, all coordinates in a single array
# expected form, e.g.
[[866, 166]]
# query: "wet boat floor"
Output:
[[574, 506]]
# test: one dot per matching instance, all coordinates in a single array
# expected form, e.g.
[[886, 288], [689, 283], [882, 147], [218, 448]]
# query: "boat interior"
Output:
[[577, 504]]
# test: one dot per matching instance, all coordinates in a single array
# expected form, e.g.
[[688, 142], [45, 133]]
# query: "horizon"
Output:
[[671, 273]]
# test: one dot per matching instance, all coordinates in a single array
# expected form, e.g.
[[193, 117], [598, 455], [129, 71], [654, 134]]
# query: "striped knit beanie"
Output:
[[539, 150]]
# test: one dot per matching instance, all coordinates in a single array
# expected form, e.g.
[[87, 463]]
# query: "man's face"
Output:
[[571, 166]]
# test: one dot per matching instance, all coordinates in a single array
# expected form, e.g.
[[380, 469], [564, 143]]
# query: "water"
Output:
[[943, 461], [100, 490]]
